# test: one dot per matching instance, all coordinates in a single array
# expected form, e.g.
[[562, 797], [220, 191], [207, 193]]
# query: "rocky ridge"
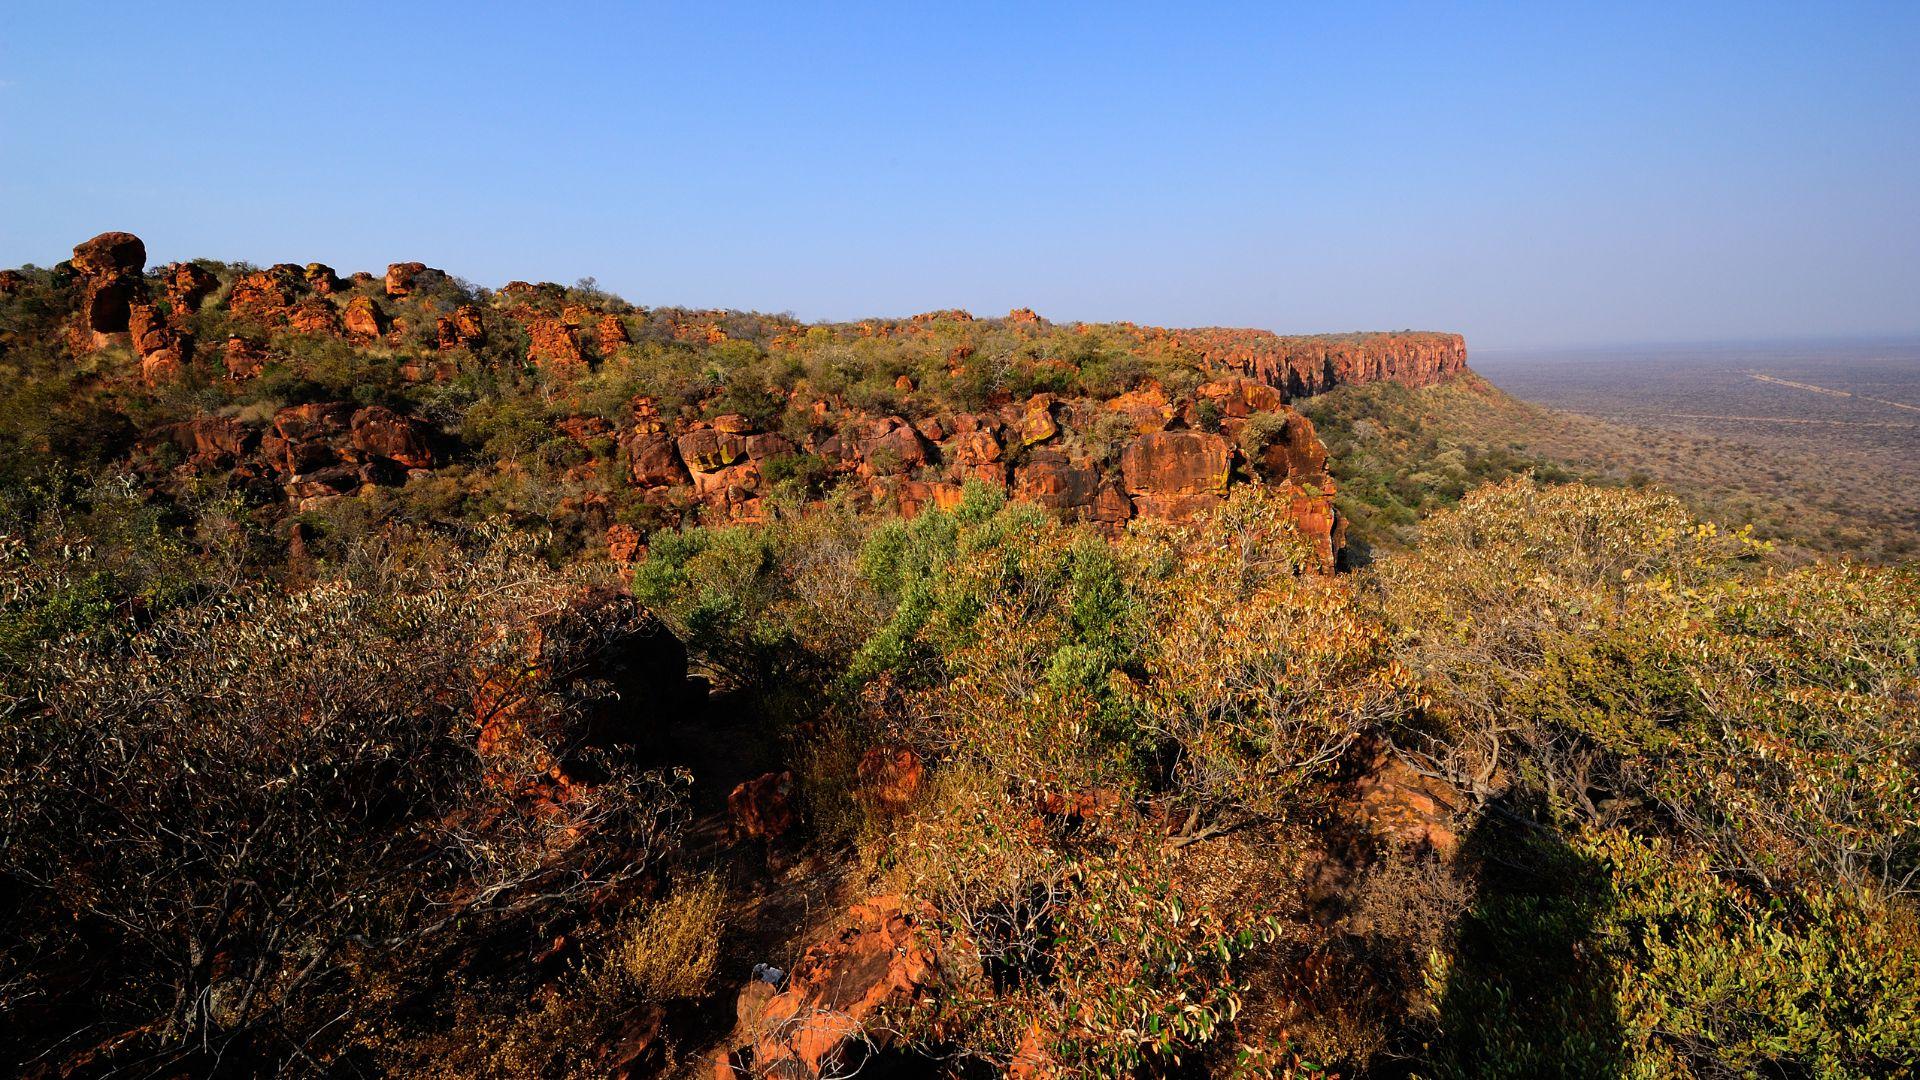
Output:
[[1165, 446]]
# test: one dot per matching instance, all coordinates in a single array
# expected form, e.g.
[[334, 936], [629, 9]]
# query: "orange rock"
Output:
[[160, 366], [365, 321], [889, 446], [1402, 806], [1237, 396], [1022, 315], [612, 333], [243, 359], [1296, 453], [400, 277], [762, 808], [890, 779], [111, 254], [321, 278], [148, 332], [404, 440], [1147, 407], [835, 997], [315, 315], [1035, 423], [653, 461], [710, 449], [261, 295], [111, 265], [187, 285], [1177, 463], [1057, 483], [555, 345], [623, 543]]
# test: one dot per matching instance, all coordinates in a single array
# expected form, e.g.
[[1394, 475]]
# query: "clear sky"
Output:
[[1528, 174]]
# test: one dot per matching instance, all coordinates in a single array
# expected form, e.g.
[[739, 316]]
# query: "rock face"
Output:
[[1177, 464], [1299, 366], [819, 1025]]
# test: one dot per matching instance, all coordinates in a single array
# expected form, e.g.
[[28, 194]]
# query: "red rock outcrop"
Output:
[[882, 960], [405, 440], [243, 359], [654, 461], [321, 278], [187, 285], [1299, 366], [1176, 474], [365, 322], [762, 808], [555, 345], [261, 295], [110, 266], [400, 277], [610, 333], [315, 315]]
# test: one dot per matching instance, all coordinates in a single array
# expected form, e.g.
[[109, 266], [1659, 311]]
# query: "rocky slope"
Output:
[[1002, 402]]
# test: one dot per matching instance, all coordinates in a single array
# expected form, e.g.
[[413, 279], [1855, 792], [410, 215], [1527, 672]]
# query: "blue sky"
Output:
[[1527, 174]]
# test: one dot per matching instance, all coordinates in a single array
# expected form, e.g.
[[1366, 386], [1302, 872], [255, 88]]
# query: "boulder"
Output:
[[400, 277], [710, 449], [1146, 407], [148, 331], [321, 278], [315, 315], [111, 254], [623, 543], [653, 460], [11, 282], [187, 285], [913, 496], [890, 446], [261, 295], [768, 445], [243, 358], [762, 808], [405, 440], [1239, 397], [1035, 424], [1057, 483], [1296, 453], [365, 321], [161, 366], [611, 333], [464, 329]]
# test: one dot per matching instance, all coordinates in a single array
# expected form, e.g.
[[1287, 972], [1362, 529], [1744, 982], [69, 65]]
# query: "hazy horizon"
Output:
[[1531, 179]]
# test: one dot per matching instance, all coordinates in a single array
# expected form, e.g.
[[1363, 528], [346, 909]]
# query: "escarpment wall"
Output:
[[1313, 364]]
